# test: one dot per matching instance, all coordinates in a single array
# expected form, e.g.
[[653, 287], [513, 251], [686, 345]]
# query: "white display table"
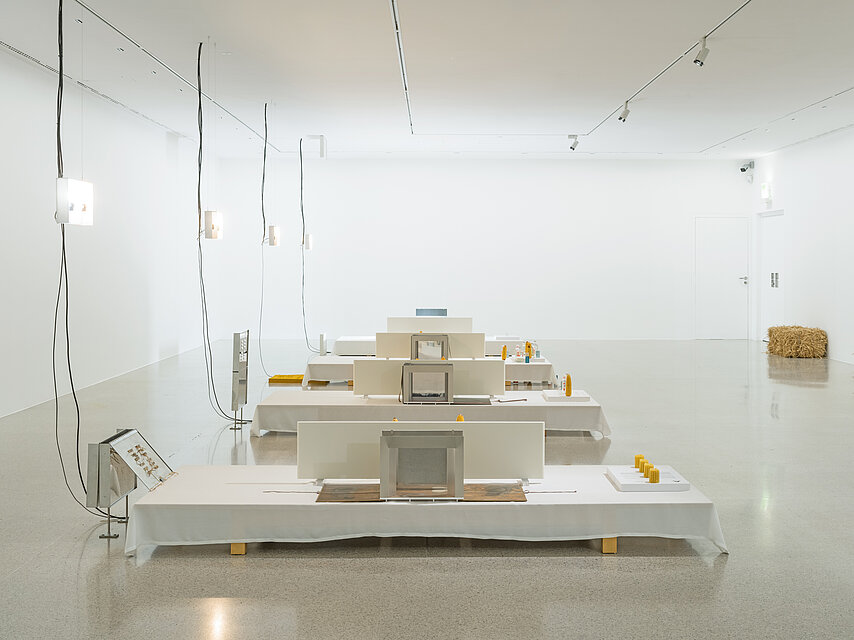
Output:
[[284, 408], [239, 504]]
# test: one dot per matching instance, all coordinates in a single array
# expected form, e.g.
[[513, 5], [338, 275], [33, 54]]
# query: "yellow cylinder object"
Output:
[[640, 464], [460, 418], [568, 385], [529, 351], [638, 458], [653, 476], [646, 467], [504, 352]]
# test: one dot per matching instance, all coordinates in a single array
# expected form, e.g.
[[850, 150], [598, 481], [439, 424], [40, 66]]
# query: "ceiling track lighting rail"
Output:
[[402, 61], [171, 70], [701, 56], [699, 60], [91, 89], [784, 117]]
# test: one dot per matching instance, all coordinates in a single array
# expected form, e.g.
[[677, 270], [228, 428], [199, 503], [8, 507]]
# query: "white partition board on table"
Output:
[[378, 377], [284, 408], [461, 345], [267, 503], [352, 449], [355, 346], [428, 324]]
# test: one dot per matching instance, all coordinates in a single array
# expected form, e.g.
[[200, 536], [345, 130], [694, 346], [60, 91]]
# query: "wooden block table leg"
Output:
[[609, 545], [238, 548]]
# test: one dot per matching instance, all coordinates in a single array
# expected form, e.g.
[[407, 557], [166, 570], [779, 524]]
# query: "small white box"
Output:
[[213, 225], [556, 395], [627, 478], [74, 201]]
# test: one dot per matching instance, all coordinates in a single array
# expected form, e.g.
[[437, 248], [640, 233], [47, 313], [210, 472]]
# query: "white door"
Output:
[[720, 271], [771, 279]]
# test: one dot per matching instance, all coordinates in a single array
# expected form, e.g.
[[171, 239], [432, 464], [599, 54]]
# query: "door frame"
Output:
[[750, 253], [756, 332]]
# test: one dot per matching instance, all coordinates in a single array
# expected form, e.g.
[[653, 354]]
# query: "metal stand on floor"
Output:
[[237, 426], [110, 535]]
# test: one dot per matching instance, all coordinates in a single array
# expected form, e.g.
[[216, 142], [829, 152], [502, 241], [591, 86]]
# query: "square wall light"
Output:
[[74, 201], [213, 225]]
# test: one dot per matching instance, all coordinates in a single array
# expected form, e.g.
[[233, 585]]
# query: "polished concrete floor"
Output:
[[770, 440]]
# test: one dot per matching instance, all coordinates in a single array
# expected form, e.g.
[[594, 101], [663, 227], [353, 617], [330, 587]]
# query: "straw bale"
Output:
[[797, 342]]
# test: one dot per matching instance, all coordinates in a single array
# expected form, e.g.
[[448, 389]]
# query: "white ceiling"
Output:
[[485, 76]]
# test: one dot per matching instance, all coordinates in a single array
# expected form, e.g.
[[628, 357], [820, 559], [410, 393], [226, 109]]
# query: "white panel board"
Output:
[[352, 449], [381, 377], [428, 324], [461, 345], [377, 377], [484, 377]]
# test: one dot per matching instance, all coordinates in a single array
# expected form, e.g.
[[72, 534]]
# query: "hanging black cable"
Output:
[[302, 251], [263, 240], [59, 88], [63, 282], [206, 333], [264, 180]]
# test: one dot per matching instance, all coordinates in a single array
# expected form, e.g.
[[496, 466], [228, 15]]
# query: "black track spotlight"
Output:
[[625, 114], [573, 142], [700, 60]]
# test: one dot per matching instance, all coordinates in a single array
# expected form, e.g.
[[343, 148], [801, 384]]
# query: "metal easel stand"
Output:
[[110, 535], [237, 426]]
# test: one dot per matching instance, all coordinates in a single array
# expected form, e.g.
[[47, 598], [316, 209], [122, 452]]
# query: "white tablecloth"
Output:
[[284, 408], [207, 505], [355, 346]]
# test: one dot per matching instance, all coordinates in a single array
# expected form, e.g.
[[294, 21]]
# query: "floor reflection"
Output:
[[800, 372]]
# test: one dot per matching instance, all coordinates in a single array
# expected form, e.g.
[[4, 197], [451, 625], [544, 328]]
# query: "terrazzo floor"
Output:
[[769, 440]]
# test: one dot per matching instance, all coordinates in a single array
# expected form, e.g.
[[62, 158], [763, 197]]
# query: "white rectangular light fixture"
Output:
[[74, 201], [273, 235], [213, 225], [765, 191], [308, 241]]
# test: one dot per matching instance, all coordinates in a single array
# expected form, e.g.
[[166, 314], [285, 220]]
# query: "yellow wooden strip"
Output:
[[293, 378], [609, 545], [238, 548]]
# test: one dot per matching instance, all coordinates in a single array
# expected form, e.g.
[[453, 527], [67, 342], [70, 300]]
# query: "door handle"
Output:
[[743, 279]]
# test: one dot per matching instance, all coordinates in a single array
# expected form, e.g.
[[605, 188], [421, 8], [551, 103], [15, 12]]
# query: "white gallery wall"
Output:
[[554, 248], [133, 296], [565, 247], [809, 183]]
